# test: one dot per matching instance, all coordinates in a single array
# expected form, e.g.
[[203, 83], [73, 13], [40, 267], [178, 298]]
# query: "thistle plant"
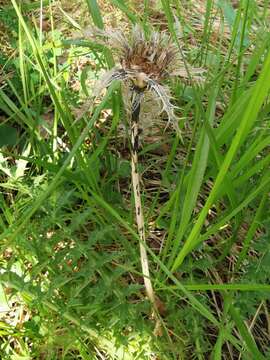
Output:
[[142, 64]]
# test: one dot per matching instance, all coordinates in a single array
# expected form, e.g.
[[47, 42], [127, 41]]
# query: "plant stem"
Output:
[[135, 114]]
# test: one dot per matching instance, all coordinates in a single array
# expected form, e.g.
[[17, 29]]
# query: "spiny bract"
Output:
[[143, 61]]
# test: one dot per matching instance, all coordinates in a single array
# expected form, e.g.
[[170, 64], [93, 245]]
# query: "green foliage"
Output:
[[8, 135], [71, 284]]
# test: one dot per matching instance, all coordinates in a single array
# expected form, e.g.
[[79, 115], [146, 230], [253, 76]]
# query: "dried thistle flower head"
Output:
[[153, 57], [143, 61]]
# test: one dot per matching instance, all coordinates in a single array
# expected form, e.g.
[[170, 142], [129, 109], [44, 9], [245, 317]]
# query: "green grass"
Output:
[[70, 266]]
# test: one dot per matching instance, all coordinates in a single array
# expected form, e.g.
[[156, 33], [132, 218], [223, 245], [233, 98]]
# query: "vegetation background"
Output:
[[71, 283]]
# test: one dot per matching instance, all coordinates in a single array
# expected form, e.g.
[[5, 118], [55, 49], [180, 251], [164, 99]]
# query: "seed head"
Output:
[[142, 61]]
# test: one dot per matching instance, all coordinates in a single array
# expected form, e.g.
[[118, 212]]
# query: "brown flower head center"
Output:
[[152, 59]]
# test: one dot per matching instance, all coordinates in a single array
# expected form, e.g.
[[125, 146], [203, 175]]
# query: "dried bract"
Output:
[[143, 61]]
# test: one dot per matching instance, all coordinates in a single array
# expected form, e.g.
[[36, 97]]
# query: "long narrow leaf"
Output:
[[258, 95]]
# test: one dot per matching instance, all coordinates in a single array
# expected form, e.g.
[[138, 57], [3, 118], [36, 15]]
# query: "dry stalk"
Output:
[[135, 115]]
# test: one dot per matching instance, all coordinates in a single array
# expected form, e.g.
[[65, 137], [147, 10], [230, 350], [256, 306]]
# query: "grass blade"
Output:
[[259, 93], [245, 334]]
